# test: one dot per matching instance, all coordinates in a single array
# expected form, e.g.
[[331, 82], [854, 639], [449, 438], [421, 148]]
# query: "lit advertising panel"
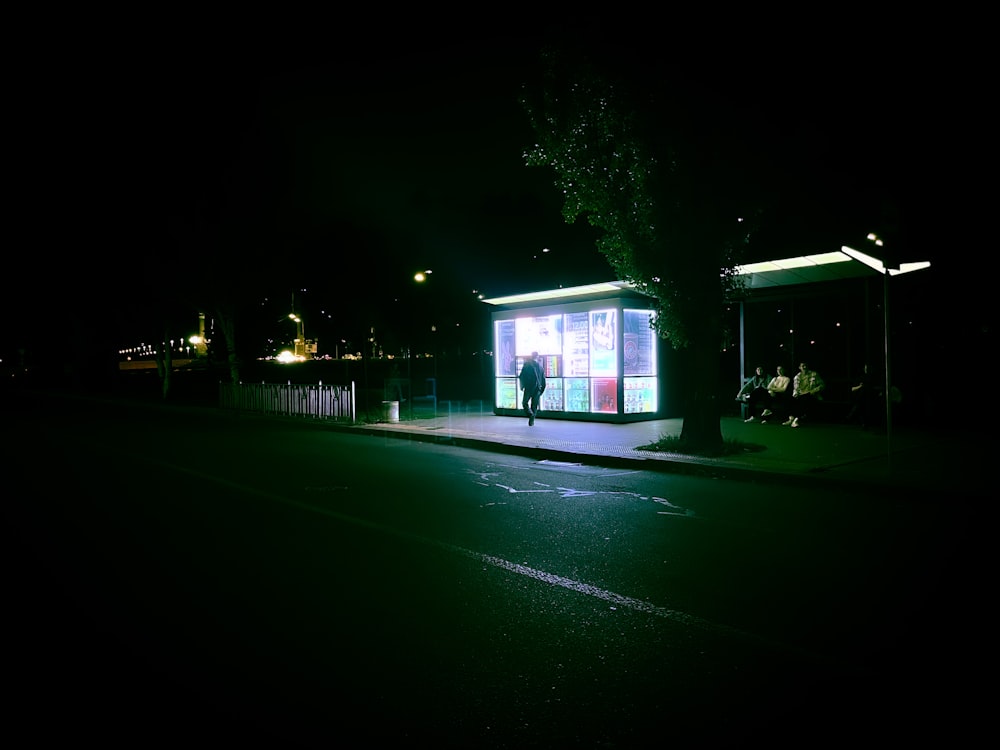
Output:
[[576, 345], [605, 395], [603, 343], [640, 395], [639, 343], [577, 394], [542, 334], [507, 393], [504, 346], [552, 399], [598, 357]]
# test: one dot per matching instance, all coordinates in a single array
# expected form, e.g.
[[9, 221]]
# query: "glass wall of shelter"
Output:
[[599, 355]]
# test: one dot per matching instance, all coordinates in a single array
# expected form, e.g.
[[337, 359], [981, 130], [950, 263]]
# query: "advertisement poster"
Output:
[[577, 394], [576, 352], [605, 395], [639, 345], [507, 394], [640, 395], [506, 364], [603, 354], [552, 399], [550, 365], [542, 334]]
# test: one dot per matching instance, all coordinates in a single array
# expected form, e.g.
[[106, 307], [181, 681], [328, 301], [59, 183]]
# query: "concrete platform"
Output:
[[940, 463]]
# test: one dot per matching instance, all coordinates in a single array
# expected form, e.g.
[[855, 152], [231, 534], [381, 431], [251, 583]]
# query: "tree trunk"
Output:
[[168, 368], [228, 324], [164, 366], [702, 413]]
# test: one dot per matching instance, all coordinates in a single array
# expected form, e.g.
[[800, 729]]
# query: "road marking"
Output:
[[618, 600], [514, 491], [568, 492], [585, 588], [550, 578], [567, 467]]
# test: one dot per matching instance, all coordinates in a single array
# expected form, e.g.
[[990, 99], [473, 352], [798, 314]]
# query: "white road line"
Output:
[[638, 605]]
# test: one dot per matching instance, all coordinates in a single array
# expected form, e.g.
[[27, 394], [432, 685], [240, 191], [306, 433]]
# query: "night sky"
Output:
[[342, 162]]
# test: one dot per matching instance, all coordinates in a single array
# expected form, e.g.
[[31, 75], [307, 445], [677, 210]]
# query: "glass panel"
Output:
[[605, 398], [552, 399], [640, 395], [504, 342], [542, 334], [577, 394], [603, 340], [507, 393], [639, 343], [576, 345], [551, 365]]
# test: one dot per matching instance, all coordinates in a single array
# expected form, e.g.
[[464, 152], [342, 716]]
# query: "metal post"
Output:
[[743, 349], [888, 379]]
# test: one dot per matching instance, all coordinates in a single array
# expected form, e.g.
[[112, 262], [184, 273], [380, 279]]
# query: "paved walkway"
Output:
[[939, 462]]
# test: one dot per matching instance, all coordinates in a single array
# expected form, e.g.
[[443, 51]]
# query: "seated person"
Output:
[[778, 393], [754, 391], [806, 390]]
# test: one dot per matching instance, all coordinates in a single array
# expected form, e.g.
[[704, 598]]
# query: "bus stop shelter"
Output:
[[802, 272], [626, 384]]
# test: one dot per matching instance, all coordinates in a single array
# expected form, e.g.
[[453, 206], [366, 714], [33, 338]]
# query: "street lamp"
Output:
[[872, 237], [434, 349], [300, 336], [883, 267]]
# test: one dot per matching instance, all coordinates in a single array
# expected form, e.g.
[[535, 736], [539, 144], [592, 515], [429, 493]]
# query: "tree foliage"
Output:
[[655, 165], [660, 180]]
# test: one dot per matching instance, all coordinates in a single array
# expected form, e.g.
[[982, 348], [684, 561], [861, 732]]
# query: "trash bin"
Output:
[[390, 411]]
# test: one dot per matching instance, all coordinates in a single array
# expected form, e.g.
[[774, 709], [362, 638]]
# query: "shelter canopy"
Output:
[[845, 263]]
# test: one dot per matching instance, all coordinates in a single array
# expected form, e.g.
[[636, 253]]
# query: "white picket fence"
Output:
[[336, 402]]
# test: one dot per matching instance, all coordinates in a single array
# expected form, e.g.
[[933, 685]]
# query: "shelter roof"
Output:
[[845, 263]]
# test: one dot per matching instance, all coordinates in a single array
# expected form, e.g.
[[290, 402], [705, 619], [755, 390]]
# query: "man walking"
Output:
[[532, 380]]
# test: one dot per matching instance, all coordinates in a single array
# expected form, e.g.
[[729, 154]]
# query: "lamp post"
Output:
[[883, 267], [434, 349], [300, 336], [420, 277], [872, 237]]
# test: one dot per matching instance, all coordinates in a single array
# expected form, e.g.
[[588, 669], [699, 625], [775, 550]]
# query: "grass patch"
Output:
[[674, 444]]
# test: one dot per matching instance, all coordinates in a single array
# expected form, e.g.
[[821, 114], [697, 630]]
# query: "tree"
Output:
[[662, 178], [221, 289]]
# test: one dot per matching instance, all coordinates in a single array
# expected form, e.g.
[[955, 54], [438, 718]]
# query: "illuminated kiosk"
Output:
[[596, 345]]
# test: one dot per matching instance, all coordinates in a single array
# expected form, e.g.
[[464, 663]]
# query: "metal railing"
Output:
[[337, 402]]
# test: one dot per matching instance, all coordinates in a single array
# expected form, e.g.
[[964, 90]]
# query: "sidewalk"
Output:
[[940, 463]]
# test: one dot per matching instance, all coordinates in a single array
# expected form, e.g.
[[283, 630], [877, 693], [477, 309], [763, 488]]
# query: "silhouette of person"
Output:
[[532, 380], [754, 393]]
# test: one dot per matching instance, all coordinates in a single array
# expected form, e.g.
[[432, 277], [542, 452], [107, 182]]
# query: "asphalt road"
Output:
[[186, 576]]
